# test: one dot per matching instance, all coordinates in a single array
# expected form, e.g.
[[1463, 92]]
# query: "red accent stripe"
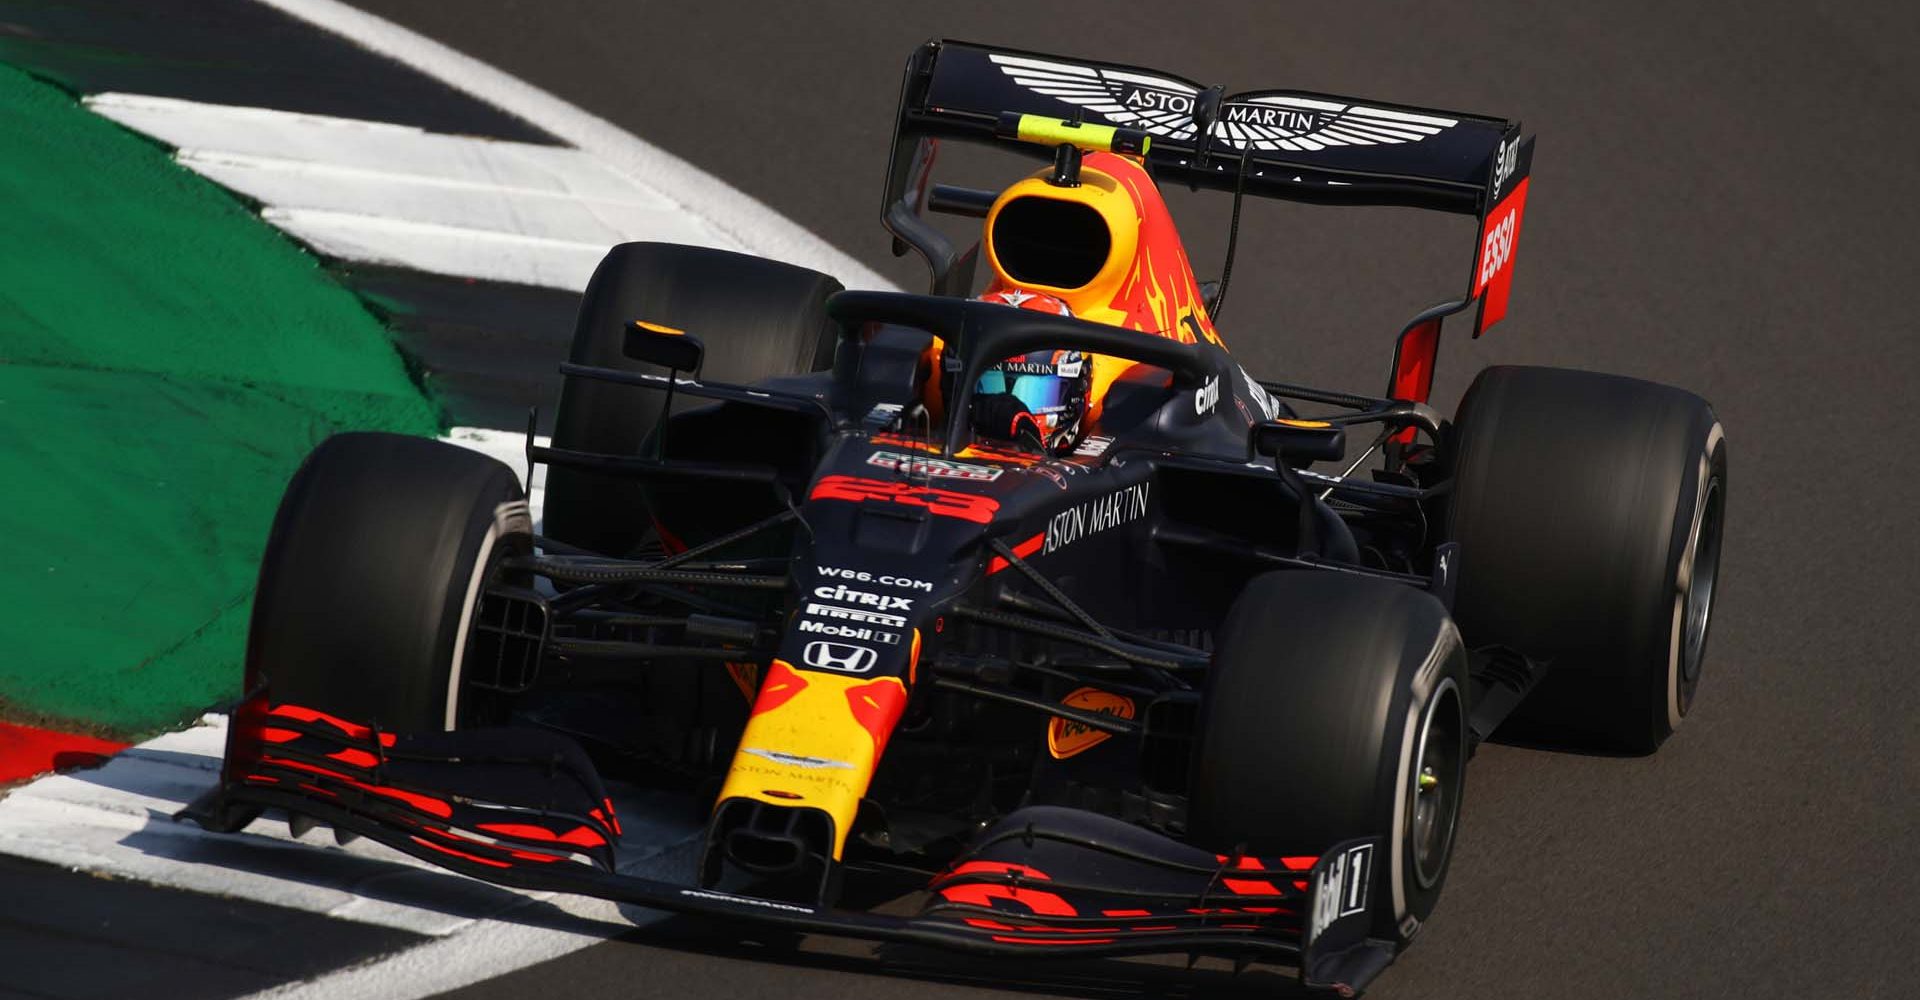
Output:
[[1126, 913], [781, 684], [1023, 550], [580, 836], [668, 540], [301, 713], [524, 855], [877, 705], [1414, 359], [25, 751], [460, 854], [998, 868], [425, 804], [1250, 887], [944, 503], [354, 758], [1010, 939]]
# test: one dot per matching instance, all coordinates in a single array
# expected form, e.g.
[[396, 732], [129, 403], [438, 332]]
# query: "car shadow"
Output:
[[1103, 978]]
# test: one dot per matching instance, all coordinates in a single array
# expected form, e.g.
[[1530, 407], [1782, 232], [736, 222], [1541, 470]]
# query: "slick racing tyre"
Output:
[[1588, 509], [1335, 709], [756, 317], [372, 574]]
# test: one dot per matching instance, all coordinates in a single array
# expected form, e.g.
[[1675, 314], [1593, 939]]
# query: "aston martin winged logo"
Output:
[[1155, 104], [1164, 106], [1295, 122]]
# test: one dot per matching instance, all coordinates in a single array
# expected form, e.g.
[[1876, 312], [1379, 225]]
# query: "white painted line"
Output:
[[440, 249], [483, 952], [215, 130], [738, 217], [290, 183], [509, 447], [443, 204]]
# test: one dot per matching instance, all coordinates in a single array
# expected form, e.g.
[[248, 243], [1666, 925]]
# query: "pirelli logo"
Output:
[[838, 613]]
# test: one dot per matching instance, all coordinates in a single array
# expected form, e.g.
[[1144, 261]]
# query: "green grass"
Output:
[[166, 360]]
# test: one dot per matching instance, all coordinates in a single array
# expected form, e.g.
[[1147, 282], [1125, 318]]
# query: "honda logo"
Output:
[[842, 656]]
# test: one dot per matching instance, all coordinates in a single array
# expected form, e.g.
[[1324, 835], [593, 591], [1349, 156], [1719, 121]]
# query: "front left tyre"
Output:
[[372, 574], [1336, 709]]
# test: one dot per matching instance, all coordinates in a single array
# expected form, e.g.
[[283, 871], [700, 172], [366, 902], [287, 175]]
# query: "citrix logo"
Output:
[[1207, 396], [847, 595]]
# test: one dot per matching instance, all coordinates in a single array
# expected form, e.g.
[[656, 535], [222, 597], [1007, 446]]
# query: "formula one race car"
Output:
[[1028, 612]]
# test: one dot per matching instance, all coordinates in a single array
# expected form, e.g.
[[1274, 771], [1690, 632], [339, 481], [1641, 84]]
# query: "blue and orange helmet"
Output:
[[1042, 396]]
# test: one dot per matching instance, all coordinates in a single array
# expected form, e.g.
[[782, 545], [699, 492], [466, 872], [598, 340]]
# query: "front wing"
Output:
[[524, 808]]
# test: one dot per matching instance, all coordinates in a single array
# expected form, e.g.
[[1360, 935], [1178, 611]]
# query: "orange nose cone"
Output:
[[814, 740]]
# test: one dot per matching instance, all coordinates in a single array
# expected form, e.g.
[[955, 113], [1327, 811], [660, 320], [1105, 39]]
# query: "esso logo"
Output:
[[1497, 249]]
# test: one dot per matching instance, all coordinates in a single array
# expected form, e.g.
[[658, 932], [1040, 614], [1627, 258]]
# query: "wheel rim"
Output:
[[1440, 758], [1702, 577]]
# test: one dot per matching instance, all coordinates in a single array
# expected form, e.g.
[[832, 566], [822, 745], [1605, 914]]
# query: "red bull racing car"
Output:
[[1028, 610]]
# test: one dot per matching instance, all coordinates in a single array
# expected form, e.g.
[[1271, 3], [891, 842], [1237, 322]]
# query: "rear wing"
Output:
[[1285, 144]]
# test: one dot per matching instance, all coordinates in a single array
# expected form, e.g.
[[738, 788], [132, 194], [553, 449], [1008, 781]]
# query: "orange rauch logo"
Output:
[[1066, 737]]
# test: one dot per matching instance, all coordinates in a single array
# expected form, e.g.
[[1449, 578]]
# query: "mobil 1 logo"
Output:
[[856, 631], [1340, 888]]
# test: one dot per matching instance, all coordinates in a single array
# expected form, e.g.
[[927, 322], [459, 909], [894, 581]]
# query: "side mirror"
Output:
[[1314, 440], [663, 345]]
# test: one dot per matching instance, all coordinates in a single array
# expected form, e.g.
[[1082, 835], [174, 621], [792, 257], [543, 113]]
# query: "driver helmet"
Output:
[[1040, 397]]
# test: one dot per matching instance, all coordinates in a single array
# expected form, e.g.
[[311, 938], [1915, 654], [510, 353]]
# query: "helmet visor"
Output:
[[1040, 393]]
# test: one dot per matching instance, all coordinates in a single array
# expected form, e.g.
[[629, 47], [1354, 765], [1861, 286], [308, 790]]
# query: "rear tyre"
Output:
[[757, 318], [371, 574], [1589, 510], [1336, 709]]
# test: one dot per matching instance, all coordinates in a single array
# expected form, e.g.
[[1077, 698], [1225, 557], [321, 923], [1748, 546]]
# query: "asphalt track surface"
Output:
[[1723, 199]]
